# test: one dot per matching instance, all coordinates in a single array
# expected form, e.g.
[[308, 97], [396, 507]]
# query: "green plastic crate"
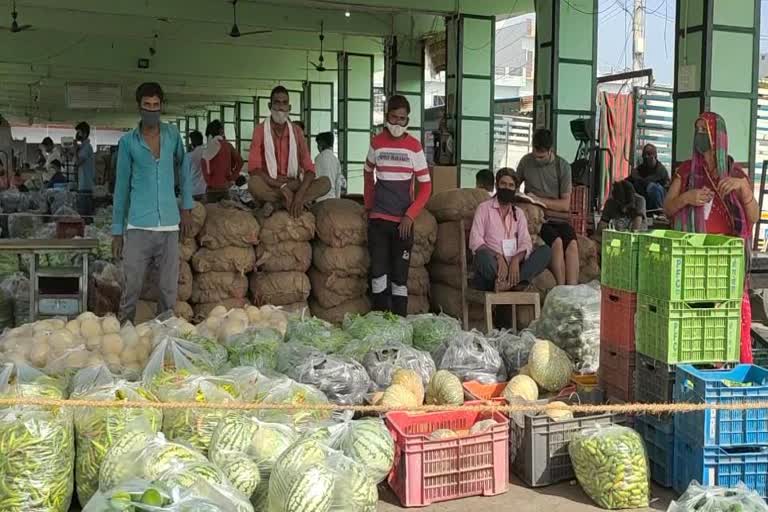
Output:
[[690, 267], [678, 332], [619, 260]]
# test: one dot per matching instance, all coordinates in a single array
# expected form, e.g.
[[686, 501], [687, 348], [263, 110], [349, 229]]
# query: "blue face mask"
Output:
[[701, 142]]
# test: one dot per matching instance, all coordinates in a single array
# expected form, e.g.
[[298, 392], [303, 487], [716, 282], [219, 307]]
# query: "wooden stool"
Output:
[[490, 299]]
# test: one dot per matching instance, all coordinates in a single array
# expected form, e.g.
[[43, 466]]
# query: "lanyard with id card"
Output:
[[509, 244]]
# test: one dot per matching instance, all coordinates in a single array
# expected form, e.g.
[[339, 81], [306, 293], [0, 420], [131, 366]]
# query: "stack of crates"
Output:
[[722, 446], [579, 209], [618, 304], [688, 311]]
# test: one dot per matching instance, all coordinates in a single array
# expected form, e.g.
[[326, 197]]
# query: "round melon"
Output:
[[443, 433], [555, 413], [398, 396], [445, 389], [369, 443], [549, 365], [310, 492], [411, 380], [521, 387], [482, 426]]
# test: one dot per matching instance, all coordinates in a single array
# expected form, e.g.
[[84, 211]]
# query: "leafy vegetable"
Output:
[[316, 333], [384, 326], [430, 331], [257, 347]]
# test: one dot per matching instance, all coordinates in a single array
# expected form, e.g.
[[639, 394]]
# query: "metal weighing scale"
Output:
[[54, 291]]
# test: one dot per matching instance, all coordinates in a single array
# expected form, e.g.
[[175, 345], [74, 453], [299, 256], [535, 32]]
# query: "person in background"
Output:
[[145, 214], [484, 180], [327, 164], [394, 164], [710, 193], [504, 257], [193, 160], [651, 178], [221, 162], [623, 211], [279, 162], [85, 162], [58, 178], [48, 153], [547, 179]]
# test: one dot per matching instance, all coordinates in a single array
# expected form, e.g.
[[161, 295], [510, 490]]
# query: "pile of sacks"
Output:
[[340, 261], [226, 254], [424, 238], [283, 257], [450, 207], [147, 307]]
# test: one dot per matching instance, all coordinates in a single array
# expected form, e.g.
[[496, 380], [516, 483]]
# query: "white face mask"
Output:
[[279, 116], [396, 130]]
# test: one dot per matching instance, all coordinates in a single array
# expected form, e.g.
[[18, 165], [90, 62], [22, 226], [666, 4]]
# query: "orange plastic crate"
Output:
[[474, 390], [428, 471]]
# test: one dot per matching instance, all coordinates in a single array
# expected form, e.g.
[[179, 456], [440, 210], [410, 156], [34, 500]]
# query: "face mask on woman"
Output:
[[701, 142]]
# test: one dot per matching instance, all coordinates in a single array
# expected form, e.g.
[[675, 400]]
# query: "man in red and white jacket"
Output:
[[395, 163]]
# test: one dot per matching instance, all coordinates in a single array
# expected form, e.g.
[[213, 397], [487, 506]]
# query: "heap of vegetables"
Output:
[[256, 346], [139, 495], [316, 333], [699, 498], [430, 331], [383, 326]]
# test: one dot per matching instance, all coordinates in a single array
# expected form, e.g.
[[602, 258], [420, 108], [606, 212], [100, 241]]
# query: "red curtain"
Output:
[[616, 123]]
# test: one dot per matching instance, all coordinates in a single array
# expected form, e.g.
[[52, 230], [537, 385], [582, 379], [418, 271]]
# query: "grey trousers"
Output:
[[486, 267], [142, 251]]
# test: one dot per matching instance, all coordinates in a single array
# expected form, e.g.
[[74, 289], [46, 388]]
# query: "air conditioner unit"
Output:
[[93, 96]]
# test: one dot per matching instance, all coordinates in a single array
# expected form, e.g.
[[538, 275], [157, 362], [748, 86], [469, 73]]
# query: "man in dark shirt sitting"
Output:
[[651, 178]]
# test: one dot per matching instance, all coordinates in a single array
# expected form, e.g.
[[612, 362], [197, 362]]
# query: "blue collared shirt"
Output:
[[145, 194], [86, 166]]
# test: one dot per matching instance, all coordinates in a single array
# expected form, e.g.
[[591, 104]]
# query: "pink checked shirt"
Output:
[[489, 229]]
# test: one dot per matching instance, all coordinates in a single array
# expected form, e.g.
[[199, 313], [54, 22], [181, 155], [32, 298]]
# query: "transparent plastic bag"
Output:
[[382, 362], [11, 200], [23, 225], [313, 332], [611, 466], [713, 498], [471, 357], [137, 495], [570, 319], [22, 380], [16, 286], [385, 326], [256, 346], [312, 476], [430, 331], [282, 390], [357, 349], [514, 349], [344, 381], [97, 428], [368, 442], [176, 357]]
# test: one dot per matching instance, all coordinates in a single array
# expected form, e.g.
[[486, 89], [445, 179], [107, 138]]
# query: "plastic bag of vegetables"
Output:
[[195, 426], [316, 333], [97, 428], [37, 445], [382, 362], [514, 349], [138, 495], [344, 381], [246, 449], [384, 326], [175, 356], [367, 442], [430, 331], [282, 390], [312, 476], [611, 466], [570, 318], [471, 357], [256, 346], [700, 498]]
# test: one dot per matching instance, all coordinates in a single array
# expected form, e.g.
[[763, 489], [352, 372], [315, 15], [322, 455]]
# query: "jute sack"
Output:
[[227, 259], [103, 295], [184, 310], [425, 229], [185, 282], [203, 310], [335, 315], [456, 204], [226, 225], [418, 281], [448, 300], [187, 248], [421, 254], [216, 286], [418, 304], [282, 227], [351, 260], [330, 290], [198, 219], [341, 222], [448, 247], [446, 274], [534, 215], [297, 307], [146, 310], [279, 288], [284, 257]]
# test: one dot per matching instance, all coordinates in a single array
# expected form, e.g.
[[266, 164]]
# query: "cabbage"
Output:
[[429, 331], [385, 326], [257, 346], [316, 333]]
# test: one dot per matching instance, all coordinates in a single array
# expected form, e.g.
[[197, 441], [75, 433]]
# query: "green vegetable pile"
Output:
[[611, 466], [699, 498], [316, 333], [430, 331], [384, 326], [144, 496], [256, 347]]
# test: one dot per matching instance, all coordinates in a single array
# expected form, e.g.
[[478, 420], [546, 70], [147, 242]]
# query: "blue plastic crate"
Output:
[[659, 436], [720, 466], [746, 427]]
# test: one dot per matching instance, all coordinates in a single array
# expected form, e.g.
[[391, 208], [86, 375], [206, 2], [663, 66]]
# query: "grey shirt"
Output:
[[548, 181]]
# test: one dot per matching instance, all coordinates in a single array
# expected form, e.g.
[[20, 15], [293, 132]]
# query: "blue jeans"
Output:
[[486, 267], [654, 196]]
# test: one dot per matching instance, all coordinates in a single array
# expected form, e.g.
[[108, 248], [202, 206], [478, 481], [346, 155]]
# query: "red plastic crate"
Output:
[[617, 318], [617, 373], [428, 471]]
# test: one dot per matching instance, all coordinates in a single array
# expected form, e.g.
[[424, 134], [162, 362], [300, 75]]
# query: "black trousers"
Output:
[[390, 261]]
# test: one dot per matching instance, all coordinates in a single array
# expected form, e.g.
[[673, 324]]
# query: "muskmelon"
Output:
[[411, 380], [521, 387], [445, 389]]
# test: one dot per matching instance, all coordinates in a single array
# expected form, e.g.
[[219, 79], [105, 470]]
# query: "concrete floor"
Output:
[[563, 497]]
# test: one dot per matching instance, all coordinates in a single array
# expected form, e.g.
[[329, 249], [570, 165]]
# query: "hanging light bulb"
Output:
[[347, 14]]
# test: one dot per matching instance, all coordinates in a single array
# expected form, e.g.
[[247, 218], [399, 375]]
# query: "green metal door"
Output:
[[355, 116]]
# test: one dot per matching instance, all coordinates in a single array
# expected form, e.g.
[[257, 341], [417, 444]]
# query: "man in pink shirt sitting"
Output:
[[504, 257]]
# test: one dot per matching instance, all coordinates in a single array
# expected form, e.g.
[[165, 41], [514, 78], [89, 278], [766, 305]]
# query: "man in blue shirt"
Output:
[[145, 214], [86, 169]]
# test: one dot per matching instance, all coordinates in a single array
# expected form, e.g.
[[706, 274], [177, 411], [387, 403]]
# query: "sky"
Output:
[[614, 50]]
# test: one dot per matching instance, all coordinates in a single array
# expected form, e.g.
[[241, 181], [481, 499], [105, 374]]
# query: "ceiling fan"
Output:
[[235, 30], [320, 66], [15, 27]]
